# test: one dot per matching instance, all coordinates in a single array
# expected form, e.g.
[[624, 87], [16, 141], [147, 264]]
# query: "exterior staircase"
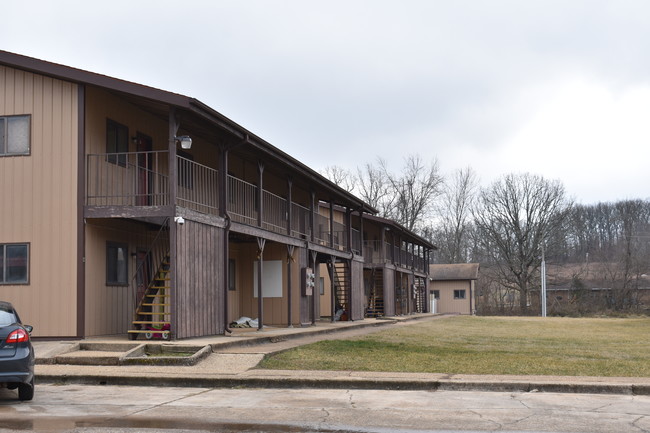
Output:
[[153, 315], [376, 296], [341, 274]]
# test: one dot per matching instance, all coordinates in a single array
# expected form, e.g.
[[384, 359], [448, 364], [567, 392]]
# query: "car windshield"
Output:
[[7, 318]]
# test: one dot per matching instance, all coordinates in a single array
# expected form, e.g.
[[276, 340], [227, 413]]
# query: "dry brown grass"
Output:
[[488, 345]]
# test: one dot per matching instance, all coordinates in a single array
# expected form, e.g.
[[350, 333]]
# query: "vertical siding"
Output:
[[447, 303], [357, 294], [389, 291], [39, 196], [275, 309], [325, 303], [110, 309], [199, 291]]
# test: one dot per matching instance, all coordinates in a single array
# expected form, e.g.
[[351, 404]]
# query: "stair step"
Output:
[[156, 304], [151, 322], [153, 313]]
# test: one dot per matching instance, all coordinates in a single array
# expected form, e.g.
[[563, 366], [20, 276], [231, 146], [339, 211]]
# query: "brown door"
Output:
[[144, 177]]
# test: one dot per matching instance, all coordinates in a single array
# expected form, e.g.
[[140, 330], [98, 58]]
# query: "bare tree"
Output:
[[516, 216], [373, 185], [340, 176], [412, 193], [454, 217]]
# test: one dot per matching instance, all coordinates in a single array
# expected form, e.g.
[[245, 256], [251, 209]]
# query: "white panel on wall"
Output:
[[271, 279]]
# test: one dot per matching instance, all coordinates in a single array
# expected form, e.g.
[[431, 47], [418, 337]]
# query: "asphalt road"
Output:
[[84, 408]]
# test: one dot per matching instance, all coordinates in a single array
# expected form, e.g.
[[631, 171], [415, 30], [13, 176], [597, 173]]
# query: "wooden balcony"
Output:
[[137, 183]]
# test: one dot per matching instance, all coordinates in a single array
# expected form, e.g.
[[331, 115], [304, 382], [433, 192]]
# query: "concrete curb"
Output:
[[347, 383]]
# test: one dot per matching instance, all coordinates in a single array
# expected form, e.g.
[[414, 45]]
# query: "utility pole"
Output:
[[543, 269]]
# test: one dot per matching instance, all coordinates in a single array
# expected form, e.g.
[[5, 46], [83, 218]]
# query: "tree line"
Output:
[[597, 255]]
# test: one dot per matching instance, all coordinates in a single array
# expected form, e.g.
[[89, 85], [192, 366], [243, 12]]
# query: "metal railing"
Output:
[[198, 187], [127, 179], [275, 215], [300, 221], [242, 201]]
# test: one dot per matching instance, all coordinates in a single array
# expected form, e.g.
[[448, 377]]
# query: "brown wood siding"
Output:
[[39, 200], [447, 303], [325, 309], [109, 309], [305, 303], [275, 309], [357, 295], [389, 291], [198, 296]]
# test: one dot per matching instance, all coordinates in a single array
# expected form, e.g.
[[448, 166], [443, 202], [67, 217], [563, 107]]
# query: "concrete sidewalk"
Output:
[[230, 361]]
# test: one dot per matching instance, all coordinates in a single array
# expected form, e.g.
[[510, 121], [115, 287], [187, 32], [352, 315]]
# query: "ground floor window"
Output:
[[14, 263], [459, 294], [436, 294], [117, 264]]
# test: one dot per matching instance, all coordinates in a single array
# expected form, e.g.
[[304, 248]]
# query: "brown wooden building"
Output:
[[113, 223], [395, 271]]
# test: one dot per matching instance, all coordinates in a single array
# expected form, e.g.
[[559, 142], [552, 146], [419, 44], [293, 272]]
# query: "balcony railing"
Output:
[[127, 179], [141, 179], [197, 187], [242, 201]]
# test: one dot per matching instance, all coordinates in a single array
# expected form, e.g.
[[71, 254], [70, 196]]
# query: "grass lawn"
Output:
[[487, 345]]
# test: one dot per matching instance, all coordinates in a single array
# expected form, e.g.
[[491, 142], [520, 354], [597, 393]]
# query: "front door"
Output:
[[144, 176]]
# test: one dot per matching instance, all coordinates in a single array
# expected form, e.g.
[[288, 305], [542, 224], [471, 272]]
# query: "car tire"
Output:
[[26, 391]]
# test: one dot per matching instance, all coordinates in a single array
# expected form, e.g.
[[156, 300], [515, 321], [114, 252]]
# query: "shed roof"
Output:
[[446, 272]]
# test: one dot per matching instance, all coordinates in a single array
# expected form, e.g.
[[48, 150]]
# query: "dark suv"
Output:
[[16, 353]]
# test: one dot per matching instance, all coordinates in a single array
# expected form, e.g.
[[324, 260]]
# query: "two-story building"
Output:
[[129, 209]]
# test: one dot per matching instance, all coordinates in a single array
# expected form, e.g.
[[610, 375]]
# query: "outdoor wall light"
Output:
[[185, 140]]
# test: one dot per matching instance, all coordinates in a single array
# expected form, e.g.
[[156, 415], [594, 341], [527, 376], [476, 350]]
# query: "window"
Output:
[[117, 264], [232, 283], [459, 294], [436, 294], [14, 263], [14, 135], [117, 141]]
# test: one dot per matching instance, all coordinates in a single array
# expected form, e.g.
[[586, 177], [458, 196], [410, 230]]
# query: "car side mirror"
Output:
[[28, 328]]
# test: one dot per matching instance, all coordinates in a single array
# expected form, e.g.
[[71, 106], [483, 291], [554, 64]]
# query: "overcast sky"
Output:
[[557, 88]]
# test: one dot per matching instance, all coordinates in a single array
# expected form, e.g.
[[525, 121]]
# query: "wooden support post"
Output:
[[312, 216], [362, 240], [348, 227], [331, 223], [290, 250], [260, 301], [316, 296], [223, 211], [383, 244], [173, 234], [332, 286]]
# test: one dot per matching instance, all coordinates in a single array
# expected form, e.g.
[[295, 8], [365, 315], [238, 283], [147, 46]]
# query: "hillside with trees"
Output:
[[597, 255]]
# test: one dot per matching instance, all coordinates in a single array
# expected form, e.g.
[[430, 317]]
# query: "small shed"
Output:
[[452, 287]]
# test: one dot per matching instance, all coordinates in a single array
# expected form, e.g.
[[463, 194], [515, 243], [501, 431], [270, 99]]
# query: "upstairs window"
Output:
[[14, 263], [117, 141], [14, 135]]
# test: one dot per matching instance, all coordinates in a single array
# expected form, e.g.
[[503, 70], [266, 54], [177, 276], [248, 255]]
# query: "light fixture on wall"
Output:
[[185, 140]]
